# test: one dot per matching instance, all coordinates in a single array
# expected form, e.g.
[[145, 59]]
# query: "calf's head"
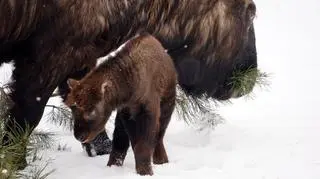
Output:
[[89, 110]]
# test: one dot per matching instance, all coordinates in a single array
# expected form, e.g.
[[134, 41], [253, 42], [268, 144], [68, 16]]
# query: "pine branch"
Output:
[[201, 111], [61, 116], [6, 103], [22, 144], [36, 172], [41, 140], [196, 110], [244, 81]]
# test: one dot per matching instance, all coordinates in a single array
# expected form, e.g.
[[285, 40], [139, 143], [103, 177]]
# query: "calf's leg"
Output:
[[167, 106], [147, 124]]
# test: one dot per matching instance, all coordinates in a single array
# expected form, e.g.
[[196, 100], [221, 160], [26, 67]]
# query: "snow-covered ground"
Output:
[[274, 136]]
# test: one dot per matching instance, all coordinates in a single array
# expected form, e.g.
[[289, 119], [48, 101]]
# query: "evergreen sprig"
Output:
[[196, 110], [21, 147], [60, 116], [201, 111], [244, 81], [21, 144], [36, 172], [41, 140]]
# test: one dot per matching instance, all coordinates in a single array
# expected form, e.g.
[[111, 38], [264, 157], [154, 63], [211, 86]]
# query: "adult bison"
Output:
[[50, 41]]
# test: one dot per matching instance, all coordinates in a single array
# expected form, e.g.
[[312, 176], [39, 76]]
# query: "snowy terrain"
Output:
[[274, 136]]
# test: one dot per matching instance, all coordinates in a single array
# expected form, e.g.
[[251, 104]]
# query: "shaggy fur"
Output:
[[52, 40], [140, 81]]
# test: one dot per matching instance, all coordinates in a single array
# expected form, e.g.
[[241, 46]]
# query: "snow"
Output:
[[273, 136], [104, 59]]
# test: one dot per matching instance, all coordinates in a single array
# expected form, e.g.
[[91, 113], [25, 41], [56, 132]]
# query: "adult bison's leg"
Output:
[[101, 145], [34, 80], [33, 85], [120, 143]]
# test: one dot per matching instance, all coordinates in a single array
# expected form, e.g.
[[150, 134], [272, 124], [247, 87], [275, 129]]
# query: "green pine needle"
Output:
[[60, 116], [41, 140], [196, 110], [23, 144], [243, 82], [36, 172], [201, 111]]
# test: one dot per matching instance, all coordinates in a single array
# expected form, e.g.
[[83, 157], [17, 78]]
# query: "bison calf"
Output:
[[139, 80]]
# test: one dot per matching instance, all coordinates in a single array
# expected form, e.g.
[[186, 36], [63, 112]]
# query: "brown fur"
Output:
[[53, 40], [141, 79]]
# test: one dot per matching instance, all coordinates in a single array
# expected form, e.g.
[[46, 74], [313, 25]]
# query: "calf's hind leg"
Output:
[[167, 106], [147, 124]]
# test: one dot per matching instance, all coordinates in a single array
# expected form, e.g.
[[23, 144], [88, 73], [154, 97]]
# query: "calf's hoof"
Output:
[[160, 155], [144, 169], [159, 161]]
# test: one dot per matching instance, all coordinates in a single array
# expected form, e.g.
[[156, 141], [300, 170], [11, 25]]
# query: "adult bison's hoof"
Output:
[[116, 158], [101, 145]]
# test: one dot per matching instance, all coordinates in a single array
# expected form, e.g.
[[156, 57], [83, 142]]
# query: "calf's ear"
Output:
[[72, 83]]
